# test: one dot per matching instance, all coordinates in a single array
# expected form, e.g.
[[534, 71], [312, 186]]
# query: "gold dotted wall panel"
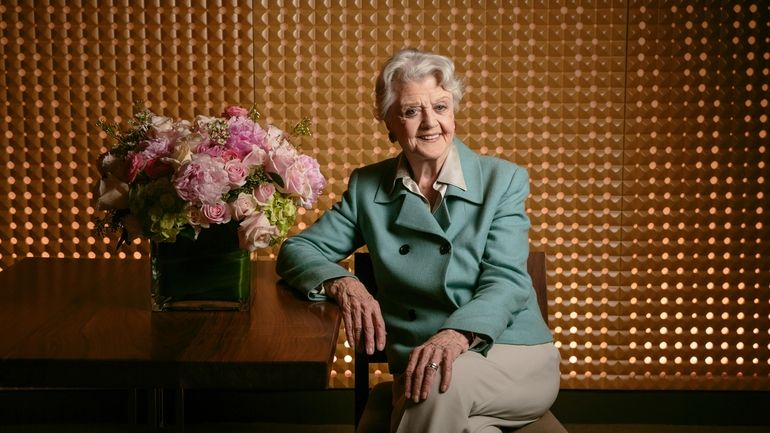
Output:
[[695, 274], [643, 125], [67, 65]]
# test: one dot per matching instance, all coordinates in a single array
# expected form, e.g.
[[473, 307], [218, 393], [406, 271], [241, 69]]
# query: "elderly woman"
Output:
[[447, 233]]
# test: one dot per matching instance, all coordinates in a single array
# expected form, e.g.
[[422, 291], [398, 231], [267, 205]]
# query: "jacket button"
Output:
[[412, 315], [445, 248], [404, 250]]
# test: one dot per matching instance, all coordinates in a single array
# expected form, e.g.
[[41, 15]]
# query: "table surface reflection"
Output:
[[88, 323]]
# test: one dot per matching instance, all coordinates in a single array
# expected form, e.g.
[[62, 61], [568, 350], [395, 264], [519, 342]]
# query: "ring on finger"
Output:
[[433, 366]]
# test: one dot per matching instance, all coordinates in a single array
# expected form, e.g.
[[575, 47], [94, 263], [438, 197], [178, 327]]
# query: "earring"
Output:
[[392, 137]]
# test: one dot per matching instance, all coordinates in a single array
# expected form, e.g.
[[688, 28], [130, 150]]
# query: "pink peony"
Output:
[[243, 134], [256, 232], [202, 180], [280, 158], [264, 192], [235, 111], [210, 148], [304, 179], [275, 138], [157, 147], [243, 206], [217, 213]]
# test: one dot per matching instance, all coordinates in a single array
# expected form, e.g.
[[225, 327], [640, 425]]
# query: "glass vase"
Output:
[[208, 273]]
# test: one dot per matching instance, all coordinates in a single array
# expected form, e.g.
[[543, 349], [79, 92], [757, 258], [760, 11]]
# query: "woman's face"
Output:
[[423, 120]]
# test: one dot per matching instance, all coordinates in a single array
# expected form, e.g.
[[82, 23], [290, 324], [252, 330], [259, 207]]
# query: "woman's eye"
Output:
[[410, 112], [440, 108]]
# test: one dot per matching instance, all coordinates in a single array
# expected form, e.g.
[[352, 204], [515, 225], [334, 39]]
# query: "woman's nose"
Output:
[[428, 119]]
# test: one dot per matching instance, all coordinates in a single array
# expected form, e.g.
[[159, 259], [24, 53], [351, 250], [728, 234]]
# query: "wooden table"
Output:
[[88, 323]]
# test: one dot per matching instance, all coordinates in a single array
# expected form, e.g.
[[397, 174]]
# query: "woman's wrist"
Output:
[[471, 336], [463, 338], [343, 286], [332, 287]]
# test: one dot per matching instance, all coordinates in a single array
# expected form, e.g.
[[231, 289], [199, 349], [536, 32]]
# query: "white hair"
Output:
[[410, 65]]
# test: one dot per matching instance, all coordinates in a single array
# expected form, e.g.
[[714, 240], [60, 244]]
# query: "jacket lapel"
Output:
[[442, 216], [462, 204], [412, 213]]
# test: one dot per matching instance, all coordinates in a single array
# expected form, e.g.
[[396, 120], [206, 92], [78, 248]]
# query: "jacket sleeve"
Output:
[[310, 258], [504, 286]]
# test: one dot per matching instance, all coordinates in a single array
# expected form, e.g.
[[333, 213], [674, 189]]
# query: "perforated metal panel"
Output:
[[643, 125]]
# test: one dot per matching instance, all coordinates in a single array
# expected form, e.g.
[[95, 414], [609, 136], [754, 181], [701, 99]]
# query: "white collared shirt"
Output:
[[451, 173]]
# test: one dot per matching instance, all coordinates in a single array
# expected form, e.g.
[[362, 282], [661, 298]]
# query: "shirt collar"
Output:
[[451, 172]]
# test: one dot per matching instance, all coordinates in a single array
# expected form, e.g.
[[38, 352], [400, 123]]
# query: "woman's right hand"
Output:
[[360, 313]]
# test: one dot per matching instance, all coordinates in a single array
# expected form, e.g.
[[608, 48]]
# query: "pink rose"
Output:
[[136, 164], [217, 213], [256, 157], [264, 192], [256, 232], [229, 154], [243, 206], [235, 111], [236, 172], [157, 168]]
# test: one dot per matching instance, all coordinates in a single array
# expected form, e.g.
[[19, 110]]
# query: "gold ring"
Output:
[[433, 366]]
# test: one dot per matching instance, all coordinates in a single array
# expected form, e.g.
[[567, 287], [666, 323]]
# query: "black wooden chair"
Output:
[[373, 408]]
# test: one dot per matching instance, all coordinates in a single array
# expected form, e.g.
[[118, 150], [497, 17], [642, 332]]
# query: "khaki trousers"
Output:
[[510, 387]]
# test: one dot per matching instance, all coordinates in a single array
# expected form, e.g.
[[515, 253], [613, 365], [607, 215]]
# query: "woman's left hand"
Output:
[[440, 351]]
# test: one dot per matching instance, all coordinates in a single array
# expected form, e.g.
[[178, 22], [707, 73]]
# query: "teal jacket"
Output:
[[463, 267]]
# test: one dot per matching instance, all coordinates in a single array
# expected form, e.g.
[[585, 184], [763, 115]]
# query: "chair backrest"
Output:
[[365, 273]]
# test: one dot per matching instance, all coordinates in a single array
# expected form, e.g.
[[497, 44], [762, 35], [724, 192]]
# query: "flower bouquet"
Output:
[[205, 193]]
